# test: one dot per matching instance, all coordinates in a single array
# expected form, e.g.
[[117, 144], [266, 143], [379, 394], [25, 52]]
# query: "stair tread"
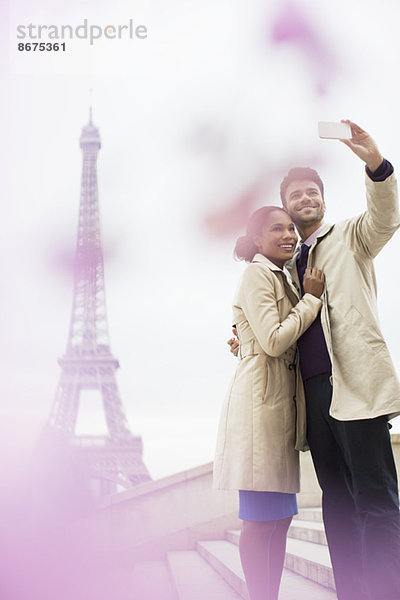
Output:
[[309, 514], [307, 524], [195, 579], [151, 579], [311, 531], [226, 552], [295, 523], [297, 587], [309, 550], [293, 587]]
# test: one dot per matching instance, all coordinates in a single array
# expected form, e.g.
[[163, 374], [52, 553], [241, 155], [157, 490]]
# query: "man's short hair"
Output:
[[300, 174]]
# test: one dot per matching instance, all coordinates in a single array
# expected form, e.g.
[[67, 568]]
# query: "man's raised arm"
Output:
[[369, 232], [362, 144]]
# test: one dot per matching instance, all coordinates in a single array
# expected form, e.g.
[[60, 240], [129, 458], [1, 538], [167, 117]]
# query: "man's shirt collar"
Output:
[[311, 238]]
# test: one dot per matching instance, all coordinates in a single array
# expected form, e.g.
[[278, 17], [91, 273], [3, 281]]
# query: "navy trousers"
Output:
[[355, 468]]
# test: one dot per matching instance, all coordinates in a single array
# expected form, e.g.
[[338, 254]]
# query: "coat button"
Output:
[[291, 366]]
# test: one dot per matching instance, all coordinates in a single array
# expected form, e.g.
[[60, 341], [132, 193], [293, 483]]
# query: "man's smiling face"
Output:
[[304, 203]]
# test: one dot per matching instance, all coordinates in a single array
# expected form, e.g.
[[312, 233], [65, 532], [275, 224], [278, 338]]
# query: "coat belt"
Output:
[[253, 347]]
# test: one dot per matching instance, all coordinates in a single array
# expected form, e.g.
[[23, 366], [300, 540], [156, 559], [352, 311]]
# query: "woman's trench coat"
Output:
[[262, 424]]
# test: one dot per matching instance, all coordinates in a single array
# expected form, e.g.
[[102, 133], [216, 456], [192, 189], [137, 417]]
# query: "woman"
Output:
[[262, 424]]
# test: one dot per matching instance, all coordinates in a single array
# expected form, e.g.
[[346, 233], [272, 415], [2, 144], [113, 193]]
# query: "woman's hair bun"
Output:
[[245, 248]]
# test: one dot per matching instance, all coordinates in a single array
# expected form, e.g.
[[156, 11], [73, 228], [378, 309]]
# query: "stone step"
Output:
[[152, 581], [310, 560], [309, 514], [195, 579], [304, 554], [232, 535], [310, 531], [214, 570], [224, 557]]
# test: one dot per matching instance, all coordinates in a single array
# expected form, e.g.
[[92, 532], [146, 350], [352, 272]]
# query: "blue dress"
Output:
[[266, 506]]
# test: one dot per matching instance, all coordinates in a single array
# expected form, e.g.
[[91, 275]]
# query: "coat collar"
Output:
[[287, 280], [290, 266], [324, 231], [263, 259], [310, 240]]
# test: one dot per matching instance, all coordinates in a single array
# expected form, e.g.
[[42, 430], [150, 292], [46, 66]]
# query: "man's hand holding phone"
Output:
[[356, 138]]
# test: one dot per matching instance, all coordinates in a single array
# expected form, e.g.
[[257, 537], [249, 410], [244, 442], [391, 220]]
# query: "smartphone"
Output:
[[334, 131]]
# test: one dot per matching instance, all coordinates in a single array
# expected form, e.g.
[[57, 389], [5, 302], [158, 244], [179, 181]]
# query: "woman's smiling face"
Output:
[[278, 238]]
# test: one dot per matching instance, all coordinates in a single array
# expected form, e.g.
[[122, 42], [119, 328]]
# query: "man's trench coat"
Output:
[[365, 383]]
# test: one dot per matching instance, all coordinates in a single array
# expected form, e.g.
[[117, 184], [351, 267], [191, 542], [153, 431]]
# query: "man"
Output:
[[350, 383]]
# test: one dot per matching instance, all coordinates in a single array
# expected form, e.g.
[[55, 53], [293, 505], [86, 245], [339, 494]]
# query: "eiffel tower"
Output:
[[115, 459]]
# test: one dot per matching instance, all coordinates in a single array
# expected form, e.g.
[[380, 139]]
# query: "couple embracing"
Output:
[[314, 370]]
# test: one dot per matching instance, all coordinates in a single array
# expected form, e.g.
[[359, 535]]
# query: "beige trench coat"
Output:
[[365, 384], [257, 432]]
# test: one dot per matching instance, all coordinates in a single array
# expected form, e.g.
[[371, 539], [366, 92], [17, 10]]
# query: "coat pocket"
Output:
[[260, 379], [358, 326]]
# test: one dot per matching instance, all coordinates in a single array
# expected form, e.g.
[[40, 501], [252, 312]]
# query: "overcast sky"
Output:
[[218, 101]]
